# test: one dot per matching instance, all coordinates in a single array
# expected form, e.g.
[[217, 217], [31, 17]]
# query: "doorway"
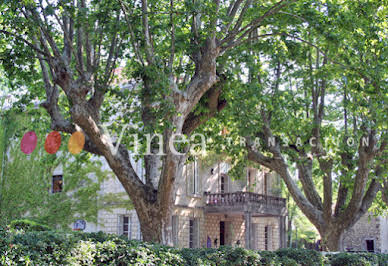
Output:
[[370, 245], [222, 233]]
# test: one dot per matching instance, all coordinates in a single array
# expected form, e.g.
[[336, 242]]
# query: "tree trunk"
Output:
[[154, 225], [332, 239]]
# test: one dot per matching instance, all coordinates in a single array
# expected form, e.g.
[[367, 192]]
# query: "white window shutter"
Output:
[[196, 177], [189, 178], [120, 222], [130, 227]]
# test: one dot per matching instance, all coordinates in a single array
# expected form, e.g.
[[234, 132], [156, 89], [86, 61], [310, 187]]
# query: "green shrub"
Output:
[[3, 239], [382, 259], [76, 248], [304, 257], [349, 259], [28, 225], [358, 259]]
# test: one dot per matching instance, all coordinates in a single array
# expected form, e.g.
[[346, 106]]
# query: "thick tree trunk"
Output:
[[332, 239], [151, 224]]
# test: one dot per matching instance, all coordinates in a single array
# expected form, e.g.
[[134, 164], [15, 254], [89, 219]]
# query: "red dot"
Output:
[[53, 142]]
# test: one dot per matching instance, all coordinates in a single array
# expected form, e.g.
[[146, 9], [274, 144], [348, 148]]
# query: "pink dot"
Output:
[[28, 143]]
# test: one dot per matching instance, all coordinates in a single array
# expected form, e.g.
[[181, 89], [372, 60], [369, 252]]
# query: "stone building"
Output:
[[211, 209], [368, 234]]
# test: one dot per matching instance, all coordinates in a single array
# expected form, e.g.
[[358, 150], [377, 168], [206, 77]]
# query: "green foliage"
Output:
[[28, 225], [30, 176], [305, 257], [58, 248], [358, 259]]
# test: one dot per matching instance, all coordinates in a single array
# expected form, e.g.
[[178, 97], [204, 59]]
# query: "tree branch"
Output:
[[255, 23], [214, 105], [31, 45], [146, 32], [135, 45], [232, 10]]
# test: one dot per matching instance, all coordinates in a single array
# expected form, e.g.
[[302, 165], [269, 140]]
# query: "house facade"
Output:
[[212, 209]]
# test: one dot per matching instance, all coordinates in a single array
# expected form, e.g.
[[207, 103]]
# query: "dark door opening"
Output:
[[370, 245], [222, 233]]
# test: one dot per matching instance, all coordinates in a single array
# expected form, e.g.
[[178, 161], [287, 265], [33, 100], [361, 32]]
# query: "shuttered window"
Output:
[[125, 226], [194, 233], [193, 178], [268, 237]]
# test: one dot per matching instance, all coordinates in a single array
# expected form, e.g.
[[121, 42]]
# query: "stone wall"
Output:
[[184, 215], [367, 228], [273, 232], [109, 222], [234, 229], [384, 234]]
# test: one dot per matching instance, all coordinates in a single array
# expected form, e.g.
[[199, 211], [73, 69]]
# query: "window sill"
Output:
[[199, 196]]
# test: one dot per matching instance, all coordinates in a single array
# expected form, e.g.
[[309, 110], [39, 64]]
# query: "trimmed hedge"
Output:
[[28, 225], [75, 248]]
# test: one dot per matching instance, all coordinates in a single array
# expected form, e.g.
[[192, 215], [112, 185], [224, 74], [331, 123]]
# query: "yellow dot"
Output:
[[76, 142]]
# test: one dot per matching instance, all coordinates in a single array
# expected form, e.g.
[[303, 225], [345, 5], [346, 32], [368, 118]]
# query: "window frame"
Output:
[[122, 223], [53, 179]]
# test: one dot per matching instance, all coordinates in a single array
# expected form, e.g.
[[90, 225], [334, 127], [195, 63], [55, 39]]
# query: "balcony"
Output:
[[240, 202]]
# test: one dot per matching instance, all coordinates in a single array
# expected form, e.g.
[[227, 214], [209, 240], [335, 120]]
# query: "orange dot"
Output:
[[76, 142]]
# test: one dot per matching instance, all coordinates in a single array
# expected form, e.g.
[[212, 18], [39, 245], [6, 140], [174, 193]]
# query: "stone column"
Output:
[[282, 232], [248, 229]]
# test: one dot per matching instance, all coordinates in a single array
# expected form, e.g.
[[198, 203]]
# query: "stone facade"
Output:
[[192, 224], [369, 233]]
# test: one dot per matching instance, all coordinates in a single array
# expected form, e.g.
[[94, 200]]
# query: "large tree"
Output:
[[175, 51], [319, 106]]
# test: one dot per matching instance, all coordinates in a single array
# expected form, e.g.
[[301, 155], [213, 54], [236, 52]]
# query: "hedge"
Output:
[[28, 225], [20, 247]]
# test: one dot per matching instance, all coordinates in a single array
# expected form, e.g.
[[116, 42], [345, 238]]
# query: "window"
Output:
[[195, 178], [192, 177], [266, 183], [267, 237], [251, 180], [175, 226], [57, 184], [193, 233], [223, 183], [125, 226]]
